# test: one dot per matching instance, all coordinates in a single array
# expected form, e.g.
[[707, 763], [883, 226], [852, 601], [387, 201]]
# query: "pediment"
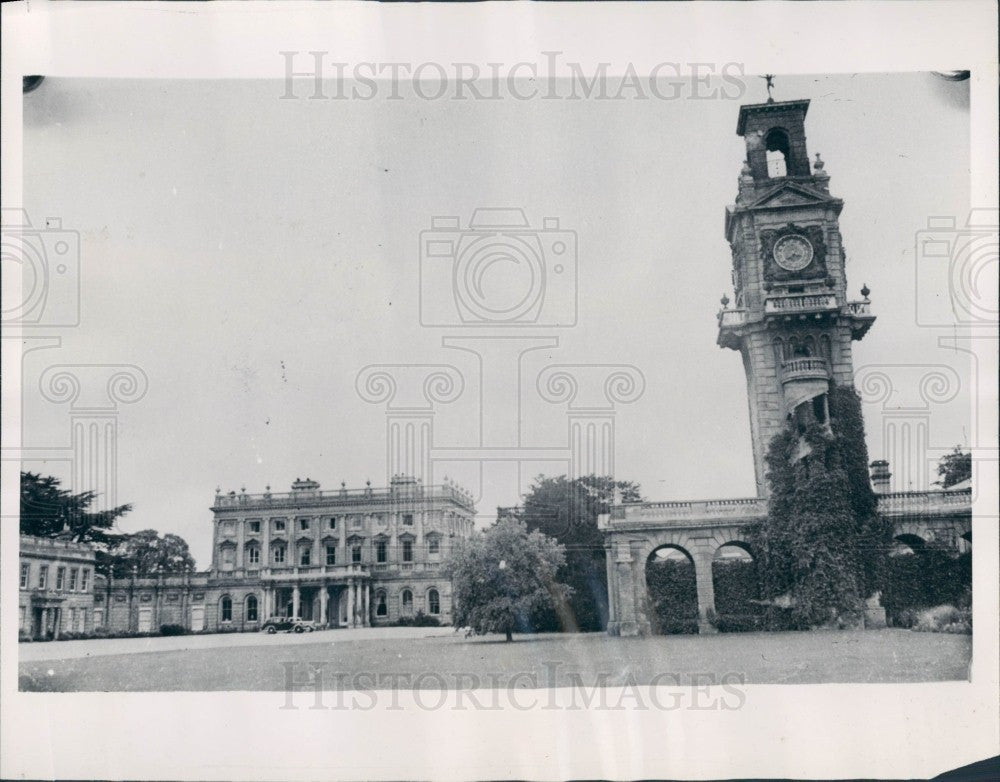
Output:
[[792, 194]]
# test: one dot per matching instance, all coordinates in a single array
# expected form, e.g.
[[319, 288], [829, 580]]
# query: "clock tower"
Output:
[[791, 319]]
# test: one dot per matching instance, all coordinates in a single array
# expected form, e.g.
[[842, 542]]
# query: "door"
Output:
[[197, 619], [145, 619]]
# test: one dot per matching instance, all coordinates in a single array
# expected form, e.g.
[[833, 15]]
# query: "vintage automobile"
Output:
[[286, 624]]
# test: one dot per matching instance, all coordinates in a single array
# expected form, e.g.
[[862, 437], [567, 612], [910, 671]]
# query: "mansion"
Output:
[[341, 558]]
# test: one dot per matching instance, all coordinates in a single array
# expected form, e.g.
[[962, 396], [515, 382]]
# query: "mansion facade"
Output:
[[342, 558]]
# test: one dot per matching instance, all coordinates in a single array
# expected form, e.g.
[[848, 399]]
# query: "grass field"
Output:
[[450, 660]]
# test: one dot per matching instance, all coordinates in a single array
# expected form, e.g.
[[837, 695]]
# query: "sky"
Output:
[[251, 255]]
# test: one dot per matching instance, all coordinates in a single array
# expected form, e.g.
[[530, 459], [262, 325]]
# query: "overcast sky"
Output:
[[253, 254]]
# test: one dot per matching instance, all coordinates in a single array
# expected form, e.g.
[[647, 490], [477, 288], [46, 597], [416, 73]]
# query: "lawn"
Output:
[[454, 661]]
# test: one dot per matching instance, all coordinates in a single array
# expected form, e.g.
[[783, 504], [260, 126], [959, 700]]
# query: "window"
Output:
[[72, 619], [777, 154], [25, 575], [381, 551], [305, 556], [81, 620], [278, 555], [74, 576], [407, 519], [331, 555], [226, 609], [407, 551], [279, 525], [60, 578], [381, 608], [84, 580], [333, 522], [254, 526], [43, 576], [433, 602], [433, 546], [304, 525], [355, 554], [251, 608], [407, 602], [253, 555]]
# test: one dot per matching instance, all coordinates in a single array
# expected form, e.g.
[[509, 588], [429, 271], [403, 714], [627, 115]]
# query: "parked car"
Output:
[[286, 624]]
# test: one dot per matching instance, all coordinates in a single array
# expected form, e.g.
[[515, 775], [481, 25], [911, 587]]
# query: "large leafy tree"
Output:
[[567, 509], [954, 467], [503, 575], [48, 510], [147, 552], [823, 542]]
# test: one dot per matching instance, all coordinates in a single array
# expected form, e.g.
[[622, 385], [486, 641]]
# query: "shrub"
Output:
[[420, 619], [173, 630], [934, 620], [673, 596]]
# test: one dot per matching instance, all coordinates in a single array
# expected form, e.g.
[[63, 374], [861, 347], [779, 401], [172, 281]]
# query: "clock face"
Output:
[[793, 253]]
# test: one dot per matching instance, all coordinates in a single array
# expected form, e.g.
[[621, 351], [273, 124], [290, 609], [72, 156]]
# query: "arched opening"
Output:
[[736, 585], [251, 608], [907, 544], [778, 153], [226, 609], [381, 604], [433, 602], [406, 603], [673, 593]]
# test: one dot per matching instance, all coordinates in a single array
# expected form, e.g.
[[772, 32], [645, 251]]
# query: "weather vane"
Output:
[[769, 81]]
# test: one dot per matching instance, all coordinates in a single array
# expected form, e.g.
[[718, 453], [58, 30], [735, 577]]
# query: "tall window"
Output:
[[333, 522], [226, 609], [60, 578], [305, 556], [381, 607], [84, 580], [777, 153], [278, 555], [253, 555], [433, 546], [251, 608], [433, 602], [381, 550], [407, 551], [25, 574], [43, 576], [74, 575], [331, 555], [355, 554], [406, 601]]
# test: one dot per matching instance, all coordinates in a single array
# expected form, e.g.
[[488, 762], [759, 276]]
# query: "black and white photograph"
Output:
[[367, 390]]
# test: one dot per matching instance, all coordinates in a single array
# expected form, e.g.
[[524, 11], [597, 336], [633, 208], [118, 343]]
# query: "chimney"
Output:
[[880, 476]]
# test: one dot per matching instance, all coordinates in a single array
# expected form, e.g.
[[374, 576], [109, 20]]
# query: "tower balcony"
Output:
[[859, 314], [731, 323], [796, 370]]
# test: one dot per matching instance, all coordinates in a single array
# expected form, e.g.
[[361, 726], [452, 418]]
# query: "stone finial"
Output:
[[819, 163], [724, 301], [865, 291]]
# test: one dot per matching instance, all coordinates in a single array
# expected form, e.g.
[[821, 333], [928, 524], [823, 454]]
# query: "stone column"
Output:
[[706, 589], [350, 603], [323, 595], [612, 591], [631, 621], [56, 621], [295, 601], [364, 604]]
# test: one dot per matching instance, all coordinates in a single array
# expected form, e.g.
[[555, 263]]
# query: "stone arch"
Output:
[[669, 571], [909, 540], [735, 585]]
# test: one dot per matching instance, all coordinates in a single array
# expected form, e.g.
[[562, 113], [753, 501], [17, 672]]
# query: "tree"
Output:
[[49, 511], [567, 510], [147, 553], [823, 541], [500, 576], [954, 467]]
